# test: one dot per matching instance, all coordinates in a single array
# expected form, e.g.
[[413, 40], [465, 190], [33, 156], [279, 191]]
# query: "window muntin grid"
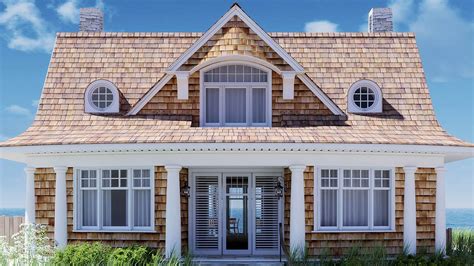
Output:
[[102, 97], [235, 74], [364, 97], [378, 213]]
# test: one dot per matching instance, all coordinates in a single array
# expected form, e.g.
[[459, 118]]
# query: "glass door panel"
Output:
[[237, 214]]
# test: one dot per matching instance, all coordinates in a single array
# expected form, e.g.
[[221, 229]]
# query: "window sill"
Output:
[[355, 231], [112, 231]]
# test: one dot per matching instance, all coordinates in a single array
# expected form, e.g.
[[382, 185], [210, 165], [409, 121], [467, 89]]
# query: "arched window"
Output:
[[364, 96], [235, 95], [101, 96]]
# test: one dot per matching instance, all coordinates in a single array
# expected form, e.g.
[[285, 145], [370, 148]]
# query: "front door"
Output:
[[235, 213]]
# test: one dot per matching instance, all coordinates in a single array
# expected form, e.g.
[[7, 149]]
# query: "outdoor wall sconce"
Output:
[[186, 190], [279, 190]]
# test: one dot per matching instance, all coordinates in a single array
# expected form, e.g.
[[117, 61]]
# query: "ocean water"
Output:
[[455, 218]]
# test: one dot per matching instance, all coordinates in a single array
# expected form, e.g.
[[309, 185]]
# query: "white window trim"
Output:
[[375, 108], [345, 229], [247, 85], [77, 205], [89, 107]]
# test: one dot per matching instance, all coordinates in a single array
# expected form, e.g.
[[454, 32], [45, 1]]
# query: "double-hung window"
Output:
[[236, 95], [354, 199], [118, 199]]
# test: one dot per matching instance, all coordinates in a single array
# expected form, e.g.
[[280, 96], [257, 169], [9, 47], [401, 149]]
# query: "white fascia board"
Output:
[[449, 152], [242, 159], [321, 95], [148, 96]]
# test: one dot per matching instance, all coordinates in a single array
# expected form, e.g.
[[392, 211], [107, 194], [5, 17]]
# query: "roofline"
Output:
[[275, 34], [451, 153]]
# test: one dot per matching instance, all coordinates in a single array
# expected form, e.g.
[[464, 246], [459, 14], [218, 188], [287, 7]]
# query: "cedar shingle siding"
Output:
[[338, 244], [45, 191]]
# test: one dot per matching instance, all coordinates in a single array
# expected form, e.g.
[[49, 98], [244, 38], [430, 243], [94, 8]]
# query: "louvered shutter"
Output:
[[206, 209], [266, 214]]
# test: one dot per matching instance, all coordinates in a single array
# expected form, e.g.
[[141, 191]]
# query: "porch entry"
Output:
[[235, 213]]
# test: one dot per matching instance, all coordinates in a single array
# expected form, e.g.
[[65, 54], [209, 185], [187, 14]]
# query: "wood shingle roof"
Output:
[[134, 62]]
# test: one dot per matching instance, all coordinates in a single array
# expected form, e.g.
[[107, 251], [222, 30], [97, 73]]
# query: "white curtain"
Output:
[[141, 206], [258, 105], [381, 207], [235, 105], [212, 105], [107, 207], [89, 208], [328, 208], [355, 207]]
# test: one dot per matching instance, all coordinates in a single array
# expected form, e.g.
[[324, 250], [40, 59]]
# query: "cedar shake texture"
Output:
[[45, 191], [135, 62], [338, 244]]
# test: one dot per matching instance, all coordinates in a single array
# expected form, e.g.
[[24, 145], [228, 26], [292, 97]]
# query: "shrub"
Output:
[[82, 254]]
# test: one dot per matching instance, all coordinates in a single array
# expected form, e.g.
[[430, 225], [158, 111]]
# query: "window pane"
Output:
[[381, 207], [141, 207], [328, 207], [212, 105], [235, 105], [258, 105], [89, 208], [355, 208], [114, 207]]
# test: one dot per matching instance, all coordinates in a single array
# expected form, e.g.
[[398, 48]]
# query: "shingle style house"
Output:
[[209, 141]]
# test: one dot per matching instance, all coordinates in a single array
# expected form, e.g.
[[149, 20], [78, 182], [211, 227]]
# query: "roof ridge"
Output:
[[278, 34]]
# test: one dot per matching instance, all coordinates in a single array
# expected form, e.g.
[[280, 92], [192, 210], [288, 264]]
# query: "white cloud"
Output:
[[321, 26], [403, 10], [25, 28], [18, 110], [444, 37], [69, 11]]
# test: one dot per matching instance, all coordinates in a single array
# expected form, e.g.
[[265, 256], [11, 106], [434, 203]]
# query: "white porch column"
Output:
[[173, 211], [440, 227], [409, 210], [297, 219], [60, 207], [30, 195]]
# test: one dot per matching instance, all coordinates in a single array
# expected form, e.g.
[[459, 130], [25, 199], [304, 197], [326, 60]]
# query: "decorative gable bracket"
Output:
[[182, 78], [288, 84]]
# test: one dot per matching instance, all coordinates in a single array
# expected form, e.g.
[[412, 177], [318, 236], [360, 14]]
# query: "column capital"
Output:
[[60, 169], [172, 168], [297, 168], [440, 170], [29, 170], [409, 169]]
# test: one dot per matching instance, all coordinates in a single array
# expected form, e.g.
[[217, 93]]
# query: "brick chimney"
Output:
[[380, 20], [91, 19]]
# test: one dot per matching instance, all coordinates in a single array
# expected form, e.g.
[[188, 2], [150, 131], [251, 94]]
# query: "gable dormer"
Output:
[[215, 80]]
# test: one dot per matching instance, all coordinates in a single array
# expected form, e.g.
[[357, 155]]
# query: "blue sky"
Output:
[[444, 30]]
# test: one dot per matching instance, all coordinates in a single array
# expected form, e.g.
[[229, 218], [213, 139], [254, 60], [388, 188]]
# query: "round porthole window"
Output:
[[364, 96], [101, 97]]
